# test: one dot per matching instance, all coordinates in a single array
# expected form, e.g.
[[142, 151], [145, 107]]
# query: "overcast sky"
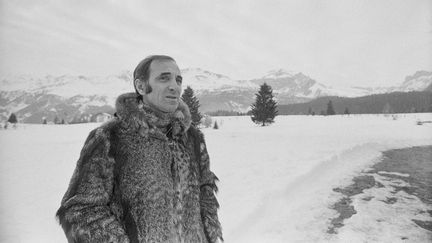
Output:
[[340, 43]]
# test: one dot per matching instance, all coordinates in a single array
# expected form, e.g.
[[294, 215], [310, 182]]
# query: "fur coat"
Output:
[[142, 177]]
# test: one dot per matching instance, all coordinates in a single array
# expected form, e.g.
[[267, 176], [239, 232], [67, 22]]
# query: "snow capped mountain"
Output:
[[72, 97], [201, 80], [278, 73], [68, 86], [417, 82], [292, 87]]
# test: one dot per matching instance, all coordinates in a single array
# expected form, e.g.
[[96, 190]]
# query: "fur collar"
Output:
[[135, 115]]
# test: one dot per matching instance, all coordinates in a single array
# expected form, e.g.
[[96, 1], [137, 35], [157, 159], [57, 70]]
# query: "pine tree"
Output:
[[330, 109], [13, 119], [264, 110], [56, 120], [216, 126], [207, 121], [189, 98]]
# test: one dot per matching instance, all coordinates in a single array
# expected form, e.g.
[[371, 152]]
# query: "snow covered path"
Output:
[[276, 182]]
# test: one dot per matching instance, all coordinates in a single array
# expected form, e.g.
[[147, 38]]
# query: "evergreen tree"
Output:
[[56, 120], [216, 126], [310, 111], [189, 98], [346, 112], [207, 121], [13, 119], [330, 109], [44, 121], [264, 110]]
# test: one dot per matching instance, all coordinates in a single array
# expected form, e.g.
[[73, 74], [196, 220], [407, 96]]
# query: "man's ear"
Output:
[[140, 86]]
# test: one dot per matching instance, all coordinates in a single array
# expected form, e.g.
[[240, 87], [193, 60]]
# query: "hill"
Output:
[[398, 102]]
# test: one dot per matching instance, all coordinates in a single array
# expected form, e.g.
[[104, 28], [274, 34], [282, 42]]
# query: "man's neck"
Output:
[[157, 111]]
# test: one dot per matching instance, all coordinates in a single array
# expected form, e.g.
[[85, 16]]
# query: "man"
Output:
[[144, 176]]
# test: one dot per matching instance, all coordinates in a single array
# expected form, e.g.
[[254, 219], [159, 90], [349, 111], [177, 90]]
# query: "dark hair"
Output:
[[142, 70]]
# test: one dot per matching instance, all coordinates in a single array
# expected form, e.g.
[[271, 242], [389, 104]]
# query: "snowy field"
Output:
[[275, 182]]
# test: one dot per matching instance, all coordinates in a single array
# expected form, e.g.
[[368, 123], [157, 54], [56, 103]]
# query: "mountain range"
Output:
[[67, 97]]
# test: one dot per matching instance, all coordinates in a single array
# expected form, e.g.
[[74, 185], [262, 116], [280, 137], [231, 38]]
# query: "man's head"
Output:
[[158, 80]]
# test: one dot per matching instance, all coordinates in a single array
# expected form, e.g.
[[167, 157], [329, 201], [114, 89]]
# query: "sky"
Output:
[[335, 42]]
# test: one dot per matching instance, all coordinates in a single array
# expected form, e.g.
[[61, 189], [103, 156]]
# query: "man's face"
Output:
[[165, 81]]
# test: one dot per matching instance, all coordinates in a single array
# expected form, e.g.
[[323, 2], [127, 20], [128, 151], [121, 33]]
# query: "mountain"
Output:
[[421, 80], [75, 98], [69, 97], [202, 80], [219, 92], [291, 87]]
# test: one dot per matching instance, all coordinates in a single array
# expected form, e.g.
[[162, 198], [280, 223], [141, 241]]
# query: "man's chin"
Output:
[[170, 108]]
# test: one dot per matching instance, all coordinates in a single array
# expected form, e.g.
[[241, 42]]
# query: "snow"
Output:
[[344, 91], [84, 102], [278, 73], [14, 107], [199, 80], [238, 107], [275, 182], [70, 86], [393, 173], [417, 82]]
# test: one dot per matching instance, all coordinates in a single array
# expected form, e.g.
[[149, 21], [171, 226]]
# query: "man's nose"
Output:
[[173, 85]]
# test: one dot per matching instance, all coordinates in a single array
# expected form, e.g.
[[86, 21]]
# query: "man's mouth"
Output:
[[171, 97]]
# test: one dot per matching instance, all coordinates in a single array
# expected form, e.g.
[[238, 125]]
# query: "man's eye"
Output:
[[164, 77], [179, 80]]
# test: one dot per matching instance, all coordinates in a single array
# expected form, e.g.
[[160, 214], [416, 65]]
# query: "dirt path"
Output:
[[412, 165]]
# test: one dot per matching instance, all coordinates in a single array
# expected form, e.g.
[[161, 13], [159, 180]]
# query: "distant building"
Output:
[[102, 117]]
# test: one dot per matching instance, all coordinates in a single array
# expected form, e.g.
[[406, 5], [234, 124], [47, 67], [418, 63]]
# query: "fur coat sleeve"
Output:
[[208, 202], [84, 213]]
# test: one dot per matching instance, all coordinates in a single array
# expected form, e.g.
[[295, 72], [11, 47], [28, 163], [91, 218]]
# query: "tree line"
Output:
[[396, 102], [265, 108]]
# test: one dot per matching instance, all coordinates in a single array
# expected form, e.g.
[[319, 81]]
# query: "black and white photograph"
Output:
[[199, 121]]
